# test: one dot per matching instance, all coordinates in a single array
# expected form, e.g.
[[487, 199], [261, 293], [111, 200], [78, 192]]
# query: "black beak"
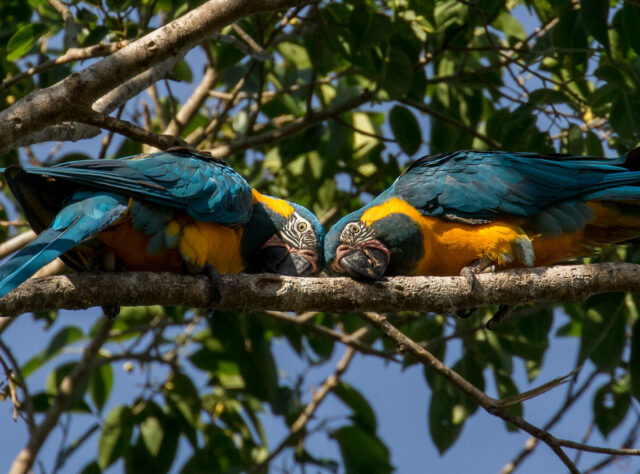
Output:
[[295, 265], [280, 260], [369, 263]]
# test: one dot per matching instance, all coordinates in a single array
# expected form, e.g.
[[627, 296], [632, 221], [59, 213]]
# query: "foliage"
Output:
[[518, 75]]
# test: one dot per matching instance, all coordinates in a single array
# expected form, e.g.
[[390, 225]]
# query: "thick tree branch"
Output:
[[244, 292], [50, 106]]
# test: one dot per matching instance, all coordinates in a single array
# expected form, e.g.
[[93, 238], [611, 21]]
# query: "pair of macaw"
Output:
[[448, 214]]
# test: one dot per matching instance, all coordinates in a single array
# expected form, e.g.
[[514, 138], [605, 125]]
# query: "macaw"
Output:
[[469, 211], [177, 211]]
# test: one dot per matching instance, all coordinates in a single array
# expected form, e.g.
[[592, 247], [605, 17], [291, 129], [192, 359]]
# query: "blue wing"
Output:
[[207, 189], [480, 186], [84, 217]]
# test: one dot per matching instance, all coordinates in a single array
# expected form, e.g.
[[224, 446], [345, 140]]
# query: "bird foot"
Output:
[[216, 282], [470, 272]]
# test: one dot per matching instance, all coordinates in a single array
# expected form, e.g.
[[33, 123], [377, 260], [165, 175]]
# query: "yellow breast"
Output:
[[216, 244]]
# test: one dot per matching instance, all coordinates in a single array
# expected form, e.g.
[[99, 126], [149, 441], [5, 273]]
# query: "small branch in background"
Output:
[[532, 442], [297, 125], [13, 224], [456, 123], [108, 138], [25, 459], [16, 243], [491, 405], [193, 104], [72, 54], [53, 268], [17, 373], [8, 373], [212, 129], [71, 29], [257, 53], [298, 425], [338, 336], [152, 90], [130, 130]]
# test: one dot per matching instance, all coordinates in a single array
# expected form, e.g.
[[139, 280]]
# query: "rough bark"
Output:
[[244, 292], [59, 102]]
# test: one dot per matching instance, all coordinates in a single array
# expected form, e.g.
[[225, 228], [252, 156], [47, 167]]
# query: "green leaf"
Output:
[[152, 434], [362, 451], [595, 14], [630, 22], [406, 129], [397, 74], [363, 414], [610, 404], [547, 96], [182, 71], [115, 435], [634, 360], [100, 385], [446, 415], [511, 26], [603, 331], [23, 40], [64, 337]]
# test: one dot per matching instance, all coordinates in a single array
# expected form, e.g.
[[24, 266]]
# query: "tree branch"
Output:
[[50, 106], [243, 292], [291, 128]]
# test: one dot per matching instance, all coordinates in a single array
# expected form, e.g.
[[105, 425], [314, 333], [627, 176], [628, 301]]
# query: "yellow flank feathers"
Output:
[[279, 206], [214, 243], [451, 246]]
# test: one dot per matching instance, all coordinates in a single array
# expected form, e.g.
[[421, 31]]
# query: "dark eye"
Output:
[[301, 226], [353, 228]]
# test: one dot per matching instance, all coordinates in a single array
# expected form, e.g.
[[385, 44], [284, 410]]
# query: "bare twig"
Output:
[[72, 54], [297, 125], [25, 459], [456, 123], [71, 29], [491, 405], [16, 243], [304, 417], [193, 104], [532, 442], [129, 129]]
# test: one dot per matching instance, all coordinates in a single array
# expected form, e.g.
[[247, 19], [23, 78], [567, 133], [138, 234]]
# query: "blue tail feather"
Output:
[[78, 221]]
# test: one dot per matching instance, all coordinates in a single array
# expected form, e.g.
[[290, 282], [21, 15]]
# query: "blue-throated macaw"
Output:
[[462, 212], [177, 210]]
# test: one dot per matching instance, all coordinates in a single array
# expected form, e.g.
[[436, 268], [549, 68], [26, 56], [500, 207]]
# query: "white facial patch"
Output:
[[298, 232]]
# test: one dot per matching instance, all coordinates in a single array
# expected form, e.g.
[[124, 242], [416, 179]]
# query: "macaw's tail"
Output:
[[86, 215]]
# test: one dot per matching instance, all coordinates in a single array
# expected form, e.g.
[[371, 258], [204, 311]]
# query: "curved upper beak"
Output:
[[279, 257], [369, 260]]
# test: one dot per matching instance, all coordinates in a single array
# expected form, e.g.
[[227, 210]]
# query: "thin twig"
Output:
[[304, 417], [25, 459]]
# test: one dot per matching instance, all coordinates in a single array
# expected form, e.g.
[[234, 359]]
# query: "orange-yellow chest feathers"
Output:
[[195, 243], [216, 244]]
